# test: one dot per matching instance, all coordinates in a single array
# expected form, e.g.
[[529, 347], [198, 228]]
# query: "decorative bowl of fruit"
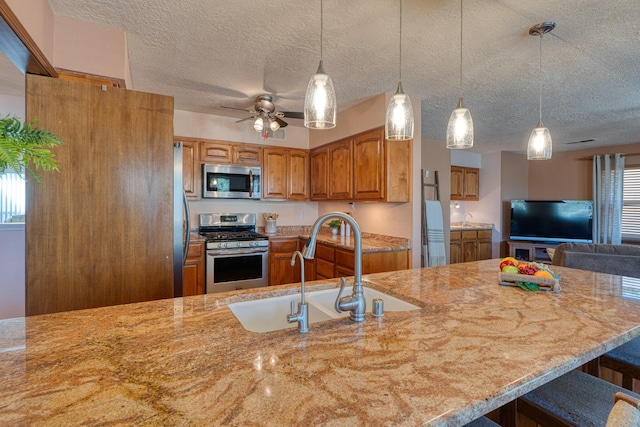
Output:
[[530, 276]]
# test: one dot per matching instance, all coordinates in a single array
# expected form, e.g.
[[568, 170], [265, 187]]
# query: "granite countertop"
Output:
[[472, 347], [460, 226], [370, 242]]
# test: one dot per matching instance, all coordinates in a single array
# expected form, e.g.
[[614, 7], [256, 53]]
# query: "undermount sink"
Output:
[[270, 314]]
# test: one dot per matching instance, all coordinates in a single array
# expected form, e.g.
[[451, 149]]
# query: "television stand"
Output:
[[530, 251]]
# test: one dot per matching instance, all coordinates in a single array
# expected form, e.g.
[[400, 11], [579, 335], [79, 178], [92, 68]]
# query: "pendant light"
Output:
[[320, 99], [399, 118], [460, 127], [540, 145]]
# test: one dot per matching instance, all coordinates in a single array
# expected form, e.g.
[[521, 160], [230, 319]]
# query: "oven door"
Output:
[[232, 269]]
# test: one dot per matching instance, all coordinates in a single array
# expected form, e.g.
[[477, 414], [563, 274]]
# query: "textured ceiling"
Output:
[[209, 53]]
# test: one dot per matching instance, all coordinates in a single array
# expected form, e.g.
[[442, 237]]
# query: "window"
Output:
[[12, 198], [631, 204]]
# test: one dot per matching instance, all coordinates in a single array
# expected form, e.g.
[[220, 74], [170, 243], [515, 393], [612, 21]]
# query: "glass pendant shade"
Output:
[[460, 128], [540, 144], [320, 101], [399, 118], [274, 125], [258, 125]]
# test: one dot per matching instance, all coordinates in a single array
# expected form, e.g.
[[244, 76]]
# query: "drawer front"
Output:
[[326, 253], [324, 269], [195, 250], [456, 235], [284, 246], [484, 234], [469, 235], [345, 258]]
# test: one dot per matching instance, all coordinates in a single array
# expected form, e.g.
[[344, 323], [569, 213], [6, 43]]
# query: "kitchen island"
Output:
[[472, 347]]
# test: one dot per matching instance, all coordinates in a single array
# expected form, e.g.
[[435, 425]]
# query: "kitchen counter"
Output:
[[472, 347], [460, 226], [370, 242]]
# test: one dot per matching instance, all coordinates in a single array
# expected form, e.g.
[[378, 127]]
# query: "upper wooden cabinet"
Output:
[[465, 183], [319, 173], [285, 174], [340, 170], [230, 153], [191, 173], [362, 167]]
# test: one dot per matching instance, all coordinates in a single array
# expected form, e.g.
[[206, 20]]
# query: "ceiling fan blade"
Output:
[[293, 114], [238, 109], [281, 122], [246, 118]]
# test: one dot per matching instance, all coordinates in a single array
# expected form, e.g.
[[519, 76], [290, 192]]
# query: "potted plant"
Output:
[[24, 147], [334, 225]]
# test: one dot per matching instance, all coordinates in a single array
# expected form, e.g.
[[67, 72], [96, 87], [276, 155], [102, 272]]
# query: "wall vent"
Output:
[[280, 134]]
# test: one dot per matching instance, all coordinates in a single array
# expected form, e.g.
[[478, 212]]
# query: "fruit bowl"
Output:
[[506, 279]]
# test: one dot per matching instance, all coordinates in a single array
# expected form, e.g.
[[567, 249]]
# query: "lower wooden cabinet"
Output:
[[280, 269], [193, 271], [329, 262], [470, 245]]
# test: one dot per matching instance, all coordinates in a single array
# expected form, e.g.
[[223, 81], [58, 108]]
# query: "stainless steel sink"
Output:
[[270, 314]]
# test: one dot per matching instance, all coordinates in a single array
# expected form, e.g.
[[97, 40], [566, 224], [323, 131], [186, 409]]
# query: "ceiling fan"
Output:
[[265, 115]]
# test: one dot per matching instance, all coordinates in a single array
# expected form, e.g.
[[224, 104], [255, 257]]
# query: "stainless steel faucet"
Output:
[[302, 316], [465, 218], [355, 303]]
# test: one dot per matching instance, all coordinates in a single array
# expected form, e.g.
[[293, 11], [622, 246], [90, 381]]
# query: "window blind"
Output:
[[631, 204]]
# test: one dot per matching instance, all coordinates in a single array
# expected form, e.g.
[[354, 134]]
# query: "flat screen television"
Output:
[[553, 221]]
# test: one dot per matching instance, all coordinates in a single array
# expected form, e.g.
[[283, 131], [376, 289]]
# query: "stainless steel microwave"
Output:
[[230, 182]]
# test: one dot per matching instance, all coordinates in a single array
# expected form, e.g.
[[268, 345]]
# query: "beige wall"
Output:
[[90, 48], [74, 45], [394, 219], [566, 177]]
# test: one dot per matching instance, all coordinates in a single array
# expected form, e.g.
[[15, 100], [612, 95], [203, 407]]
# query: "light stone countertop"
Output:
[[458, 226], [474, 346], [371, 242]]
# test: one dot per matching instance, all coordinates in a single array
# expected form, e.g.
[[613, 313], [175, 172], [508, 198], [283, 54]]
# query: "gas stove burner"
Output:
[[222, 236]]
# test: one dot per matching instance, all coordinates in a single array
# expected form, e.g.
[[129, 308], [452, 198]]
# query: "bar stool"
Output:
[[575, 399], [626, 360]]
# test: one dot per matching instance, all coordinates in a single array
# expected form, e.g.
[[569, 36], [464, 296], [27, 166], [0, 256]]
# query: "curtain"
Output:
[[608, 176]]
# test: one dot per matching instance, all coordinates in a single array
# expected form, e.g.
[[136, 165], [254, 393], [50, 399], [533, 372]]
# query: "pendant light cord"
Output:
[[321, 27], [461, 1], [540, 86], [400, 62]]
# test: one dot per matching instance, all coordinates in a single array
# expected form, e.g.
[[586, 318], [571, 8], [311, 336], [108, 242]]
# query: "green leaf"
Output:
[[24, 147], [529, 287]]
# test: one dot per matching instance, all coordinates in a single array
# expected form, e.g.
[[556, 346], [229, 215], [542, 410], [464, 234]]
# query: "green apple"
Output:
[[510, 269]]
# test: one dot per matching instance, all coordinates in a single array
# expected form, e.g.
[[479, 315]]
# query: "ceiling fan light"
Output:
[[274, 125], [460, 128], [258, 125], [320, 101], [399, 117], [540, 144]]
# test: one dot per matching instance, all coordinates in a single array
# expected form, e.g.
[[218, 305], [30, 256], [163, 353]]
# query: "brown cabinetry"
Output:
[[193, 271], [280, 269], [325, 261], [191, 171], [340, 170], [362, 167], [465, 183], [470, 245], [230, 153], [319, 183], [285, 174]]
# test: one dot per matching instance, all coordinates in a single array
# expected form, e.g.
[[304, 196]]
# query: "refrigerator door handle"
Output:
[[187, 231]]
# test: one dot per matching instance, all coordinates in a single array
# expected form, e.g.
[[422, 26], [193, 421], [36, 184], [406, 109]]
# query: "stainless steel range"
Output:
[[236, 254]]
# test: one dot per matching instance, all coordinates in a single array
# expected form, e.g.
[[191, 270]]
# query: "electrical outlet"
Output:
[[426, 173], [301, 214]]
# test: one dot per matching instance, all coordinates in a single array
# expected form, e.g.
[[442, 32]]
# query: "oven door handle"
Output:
[[214, 252]]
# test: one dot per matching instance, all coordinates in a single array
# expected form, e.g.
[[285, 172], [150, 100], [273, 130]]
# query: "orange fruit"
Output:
[[543, 273]]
